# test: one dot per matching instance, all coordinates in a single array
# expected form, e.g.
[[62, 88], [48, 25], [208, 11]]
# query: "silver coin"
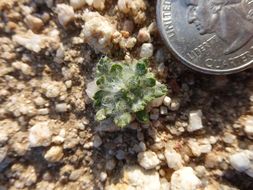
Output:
[[211, 36]]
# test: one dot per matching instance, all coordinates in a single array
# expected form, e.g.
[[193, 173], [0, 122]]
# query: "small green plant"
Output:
[[124, 91]]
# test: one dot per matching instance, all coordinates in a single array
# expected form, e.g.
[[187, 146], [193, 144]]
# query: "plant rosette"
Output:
[[122, 91]]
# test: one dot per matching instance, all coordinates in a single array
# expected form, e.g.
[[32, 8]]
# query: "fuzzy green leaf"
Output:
[[100, 82], [141, 69], [142, 116], [103, 65], [138, 106], [150, 82], [123, 119], [116, 69], [121, 106], [99, 95], [101, 115]]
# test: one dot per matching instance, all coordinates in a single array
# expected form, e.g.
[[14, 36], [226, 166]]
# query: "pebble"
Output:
[[43, 111], [195, 121], [39, 101], [97, 141], [200, 171], [185, 179], [99, 4], [110, 164], [34, 23], [25, 68], [147, 50], [77, 4], [174, 105], [148, 160], [91, 89], [167, 101], [240, 161], [163, 110], [120, 155], [75, 175], [174, 160], [98, 31], [65, 14], [229, 138], [199, 147], [40, 134], [52, 91], [248, 128], [61, 107], [54, 154], [135, 177], [128, 26], [3, 137], [212, 160], [143, 35], [154, 114], [36, 42], [103, 176], [165, 185], [3, 153]]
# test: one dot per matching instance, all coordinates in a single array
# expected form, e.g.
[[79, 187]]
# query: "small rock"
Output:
[[3, 153], [199, 147], [212, 160], [195, 121], [165, 185], [185, 179], [97, 142], [99, 4], [77, 4], [147, 50], [3, 137], [54, 154], [98, 31], [134, 177], [163, 110], [40, 135], [110, 164], [240, 161], [148, 160], [248, 128], [91, 89], [174, 160], [34, 23], [120, 155], [167, 101], [103, 176], [144, 35], [141, 147], [201, 171], [35, 42], [75, 175], [174, 105], [62, 107], [65, 14], [154, 114], [229, 138]]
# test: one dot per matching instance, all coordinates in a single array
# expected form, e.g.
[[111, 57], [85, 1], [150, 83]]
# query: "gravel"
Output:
[[40, 135], [148, 160], [240, 161], [185, 179], [195, 121], [48, 136]]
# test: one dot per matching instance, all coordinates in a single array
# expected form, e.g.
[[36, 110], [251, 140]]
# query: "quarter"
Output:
[[214, 36]]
